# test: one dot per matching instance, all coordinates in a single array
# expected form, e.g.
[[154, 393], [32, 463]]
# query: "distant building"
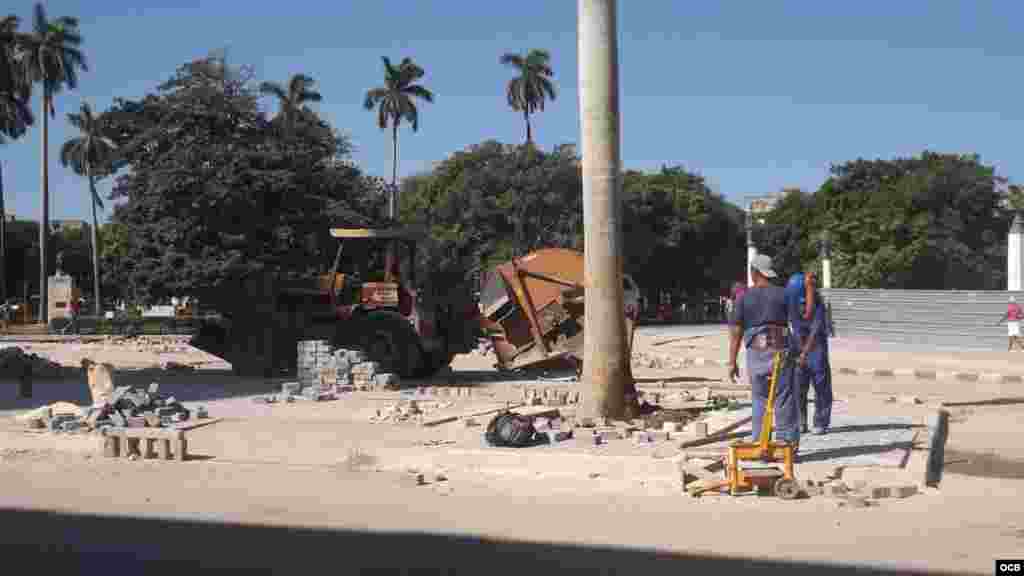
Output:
[[763, 205]]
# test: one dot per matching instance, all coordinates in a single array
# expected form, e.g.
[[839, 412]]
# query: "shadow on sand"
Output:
[[103, 545]]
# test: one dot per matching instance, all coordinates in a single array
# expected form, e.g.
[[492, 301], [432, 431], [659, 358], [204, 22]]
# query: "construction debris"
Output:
[[127, 407], [14, 362]]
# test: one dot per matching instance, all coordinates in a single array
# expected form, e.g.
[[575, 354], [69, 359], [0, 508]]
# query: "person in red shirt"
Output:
[[1014, 315], [76, 307]]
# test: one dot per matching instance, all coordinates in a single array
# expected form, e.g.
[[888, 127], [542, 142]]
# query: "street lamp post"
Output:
[[751, 248], [1014, 254], [825, 247]]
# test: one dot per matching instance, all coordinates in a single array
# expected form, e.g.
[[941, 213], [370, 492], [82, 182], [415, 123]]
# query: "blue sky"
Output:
[[755, 95]]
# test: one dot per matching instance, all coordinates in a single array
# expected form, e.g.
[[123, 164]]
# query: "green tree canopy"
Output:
[[933, 221], [214, 190]]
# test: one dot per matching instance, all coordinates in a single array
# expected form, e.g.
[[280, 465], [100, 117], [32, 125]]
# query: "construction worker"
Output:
[[808, 321], [760, 325]]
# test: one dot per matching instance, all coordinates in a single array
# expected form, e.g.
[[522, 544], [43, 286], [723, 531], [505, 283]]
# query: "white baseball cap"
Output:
[[763, 264]]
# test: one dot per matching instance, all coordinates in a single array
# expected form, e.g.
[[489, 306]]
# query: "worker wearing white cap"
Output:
[[760, 323]]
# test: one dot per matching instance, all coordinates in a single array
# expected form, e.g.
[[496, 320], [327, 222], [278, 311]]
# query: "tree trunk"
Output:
[[95, 247], [606, 361], [529, 131], [44, 223], [393, 193]]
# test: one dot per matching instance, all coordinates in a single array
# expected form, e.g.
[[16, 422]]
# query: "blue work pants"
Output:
[[818, 373], [787, 412]]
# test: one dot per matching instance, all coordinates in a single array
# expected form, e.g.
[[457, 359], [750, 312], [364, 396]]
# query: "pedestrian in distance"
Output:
[[808, 321], [1013, 316], [759, 324]]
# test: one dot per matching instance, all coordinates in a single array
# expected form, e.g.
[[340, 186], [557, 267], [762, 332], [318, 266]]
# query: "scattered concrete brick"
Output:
[[835, 489], [642, 437], [892, 491], [854, 501], [910, 400], [386, 381], [555, 436]]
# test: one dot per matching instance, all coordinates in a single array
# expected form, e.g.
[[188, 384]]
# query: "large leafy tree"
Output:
[[790, 233], [532, 85], [292, 99], [932, 221], [680, 236], [115, 258], [396, 101], [90, 154], [53, 58], [490, 202], [214, 190], [15, 84]]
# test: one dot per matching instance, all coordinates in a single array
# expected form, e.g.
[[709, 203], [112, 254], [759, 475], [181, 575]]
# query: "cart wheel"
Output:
[[787, 489]]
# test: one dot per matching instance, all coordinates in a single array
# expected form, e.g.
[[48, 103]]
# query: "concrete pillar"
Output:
[[1014, 254]]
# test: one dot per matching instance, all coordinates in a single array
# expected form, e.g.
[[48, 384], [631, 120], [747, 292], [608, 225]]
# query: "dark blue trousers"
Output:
[[818, 373]]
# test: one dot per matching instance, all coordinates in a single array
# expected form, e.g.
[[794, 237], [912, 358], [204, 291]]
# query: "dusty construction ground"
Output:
[[326, 465]]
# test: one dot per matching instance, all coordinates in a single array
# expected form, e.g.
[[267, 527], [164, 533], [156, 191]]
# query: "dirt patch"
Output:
[[983, 465]]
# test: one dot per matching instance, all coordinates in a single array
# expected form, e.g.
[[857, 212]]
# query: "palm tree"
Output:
[[292, 99], [89, 154], [395, 100], [15, 87], [528, 91], [53, 58]]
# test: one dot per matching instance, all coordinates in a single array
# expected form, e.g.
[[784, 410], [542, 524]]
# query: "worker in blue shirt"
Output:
[[808, 320], [759, 324]]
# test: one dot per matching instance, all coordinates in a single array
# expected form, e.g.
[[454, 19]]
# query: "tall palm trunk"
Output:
[[393, 193], [529, 132], [44, 223], [3, 239], [95, 246]]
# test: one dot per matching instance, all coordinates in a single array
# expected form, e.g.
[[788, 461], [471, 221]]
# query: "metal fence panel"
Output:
[[931, 317]]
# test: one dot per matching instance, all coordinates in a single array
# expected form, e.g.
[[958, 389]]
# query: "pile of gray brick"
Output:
[[132, 407], [325, 372]]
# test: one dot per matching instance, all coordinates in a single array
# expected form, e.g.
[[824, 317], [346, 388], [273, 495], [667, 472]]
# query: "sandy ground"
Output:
[[326, 465]]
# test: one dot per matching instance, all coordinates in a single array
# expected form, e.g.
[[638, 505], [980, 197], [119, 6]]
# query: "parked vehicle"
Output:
[[368, 300]]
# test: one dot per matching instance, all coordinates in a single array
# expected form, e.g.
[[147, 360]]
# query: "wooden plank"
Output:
[[717, 435], [447, 419], [148, 433], [193, 424]]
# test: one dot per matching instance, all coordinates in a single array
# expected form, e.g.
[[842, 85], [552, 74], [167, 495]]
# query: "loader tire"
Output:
[[434, 362], [390, 341]]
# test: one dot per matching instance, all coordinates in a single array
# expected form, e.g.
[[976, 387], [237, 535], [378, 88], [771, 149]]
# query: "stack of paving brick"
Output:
[[343, 361], [363, 374], [316, 367]]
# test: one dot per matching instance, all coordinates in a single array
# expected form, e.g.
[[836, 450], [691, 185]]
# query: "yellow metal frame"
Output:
[[765, 449]]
